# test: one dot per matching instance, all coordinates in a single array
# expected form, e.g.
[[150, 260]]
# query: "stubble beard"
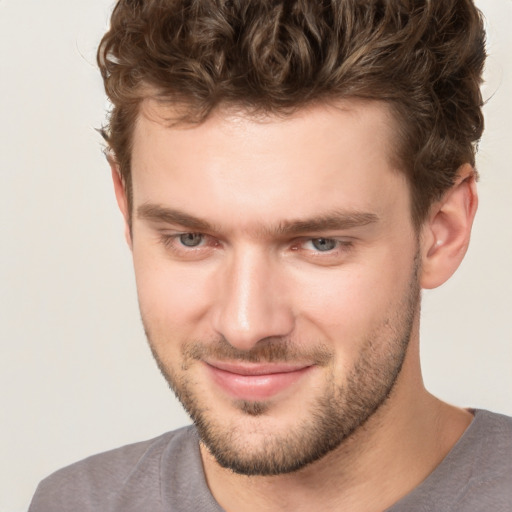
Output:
[[340, 411]]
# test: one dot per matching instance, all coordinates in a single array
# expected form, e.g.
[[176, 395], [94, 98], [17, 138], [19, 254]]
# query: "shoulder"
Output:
[[487, 448], [99, 481], [489, 437], [475, 475], [482, 464]]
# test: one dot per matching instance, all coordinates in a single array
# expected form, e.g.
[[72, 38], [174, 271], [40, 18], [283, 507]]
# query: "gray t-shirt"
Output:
[[166, 474]]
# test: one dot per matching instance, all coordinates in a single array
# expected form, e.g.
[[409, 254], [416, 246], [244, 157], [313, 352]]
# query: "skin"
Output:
[[251, 287]]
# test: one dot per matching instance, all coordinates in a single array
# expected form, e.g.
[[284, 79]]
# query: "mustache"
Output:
[[268, 350]]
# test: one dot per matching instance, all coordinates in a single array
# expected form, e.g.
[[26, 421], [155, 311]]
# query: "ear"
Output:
[[122, 200], [445, 234]]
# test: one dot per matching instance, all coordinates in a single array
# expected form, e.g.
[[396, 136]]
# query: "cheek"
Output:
[[340, 301], [172, 299], [351, 302]]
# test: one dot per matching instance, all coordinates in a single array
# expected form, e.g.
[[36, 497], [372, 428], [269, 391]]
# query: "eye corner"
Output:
[[336, 250]]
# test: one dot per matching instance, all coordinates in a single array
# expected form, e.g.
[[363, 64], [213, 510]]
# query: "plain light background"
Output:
[[76, 376]]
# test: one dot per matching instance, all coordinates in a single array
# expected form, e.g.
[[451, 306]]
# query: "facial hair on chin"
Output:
[[341, 409]]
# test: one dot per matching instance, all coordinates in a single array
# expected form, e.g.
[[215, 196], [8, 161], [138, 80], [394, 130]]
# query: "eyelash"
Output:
[[340, 244], [172, 243]]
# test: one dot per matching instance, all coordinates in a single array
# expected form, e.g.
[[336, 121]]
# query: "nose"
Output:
[[252, 303]]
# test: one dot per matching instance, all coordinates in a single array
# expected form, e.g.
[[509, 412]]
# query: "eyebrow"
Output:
[[157, 213], [337, 220]]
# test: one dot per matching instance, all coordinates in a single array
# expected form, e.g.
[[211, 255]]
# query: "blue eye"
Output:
[[324, 244], [191, 239]]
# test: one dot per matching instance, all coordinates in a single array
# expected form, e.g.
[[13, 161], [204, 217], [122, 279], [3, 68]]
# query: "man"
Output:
[[291, 174]]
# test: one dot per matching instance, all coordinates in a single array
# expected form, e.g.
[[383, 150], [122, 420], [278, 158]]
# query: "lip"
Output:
[[255, 381]]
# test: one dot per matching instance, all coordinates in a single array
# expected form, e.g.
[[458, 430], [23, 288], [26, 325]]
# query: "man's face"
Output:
[[277, 274]]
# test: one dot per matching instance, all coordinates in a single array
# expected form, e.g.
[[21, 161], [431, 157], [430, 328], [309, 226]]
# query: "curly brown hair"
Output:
[[424, 58]]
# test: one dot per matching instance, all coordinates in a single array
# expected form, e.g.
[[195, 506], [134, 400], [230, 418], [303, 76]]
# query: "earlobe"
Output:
[[446, 232], [121, 198]]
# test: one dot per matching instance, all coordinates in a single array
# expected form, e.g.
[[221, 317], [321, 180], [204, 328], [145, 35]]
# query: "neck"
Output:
[[395, 450]]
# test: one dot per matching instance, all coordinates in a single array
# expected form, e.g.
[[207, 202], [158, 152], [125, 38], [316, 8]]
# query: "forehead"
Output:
[[324, 157]]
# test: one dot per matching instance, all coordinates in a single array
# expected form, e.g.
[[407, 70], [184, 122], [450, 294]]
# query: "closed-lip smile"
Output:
[[255, 381]]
